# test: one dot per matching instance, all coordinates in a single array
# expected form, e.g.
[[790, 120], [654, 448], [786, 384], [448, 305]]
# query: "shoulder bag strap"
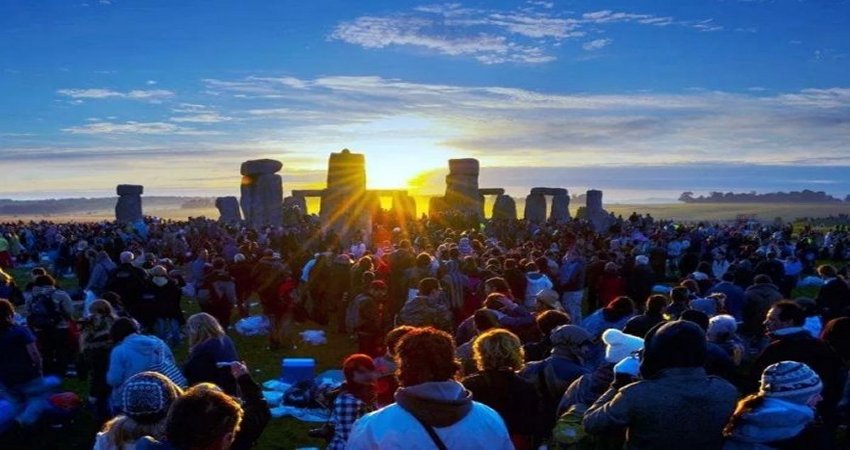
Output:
[[432, 433]]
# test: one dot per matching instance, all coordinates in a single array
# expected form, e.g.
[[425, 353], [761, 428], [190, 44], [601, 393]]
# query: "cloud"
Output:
[[526, 35], [596, 44], [133, 127], [151, 95], [520, 126], [210, 117]]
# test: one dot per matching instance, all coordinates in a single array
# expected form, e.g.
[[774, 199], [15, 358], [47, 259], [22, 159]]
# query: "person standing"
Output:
[[432, 409], [675, 403]]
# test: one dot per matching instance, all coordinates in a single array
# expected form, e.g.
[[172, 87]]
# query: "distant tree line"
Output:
[[78, 205], [805, 196]]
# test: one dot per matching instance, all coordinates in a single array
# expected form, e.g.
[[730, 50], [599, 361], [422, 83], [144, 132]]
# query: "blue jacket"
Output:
[[734, 298], [773, 421], [136, 353]]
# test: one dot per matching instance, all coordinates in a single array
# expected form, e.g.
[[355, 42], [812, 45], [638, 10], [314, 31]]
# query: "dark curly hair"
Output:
[[426, 354]]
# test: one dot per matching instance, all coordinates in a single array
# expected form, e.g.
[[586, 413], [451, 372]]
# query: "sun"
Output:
[[401, 148]]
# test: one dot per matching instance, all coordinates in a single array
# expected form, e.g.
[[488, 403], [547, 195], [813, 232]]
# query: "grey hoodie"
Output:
[[438, 404]]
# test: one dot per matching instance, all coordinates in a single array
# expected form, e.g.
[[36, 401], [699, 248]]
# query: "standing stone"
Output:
[[462, 192], [504, 207], [129, 206], [228, 209], [346, 208], [262, 192], [535, 208], [294, 209], [296, 202], [560, 208], [403, 207], [594, 213]]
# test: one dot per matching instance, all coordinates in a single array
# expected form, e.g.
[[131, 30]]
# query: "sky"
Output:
[[643, 99]]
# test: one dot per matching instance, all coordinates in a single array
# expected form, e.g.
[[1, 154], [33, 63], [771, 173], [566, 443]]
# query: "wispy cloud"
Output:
[[527, 35], [596, 44], [132, 127], [210, 117], [152, 95]]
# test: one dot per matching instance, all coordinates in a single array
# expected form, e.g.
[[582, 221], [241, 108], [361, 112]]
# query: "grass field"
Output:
[[284, 433], [675, 211]]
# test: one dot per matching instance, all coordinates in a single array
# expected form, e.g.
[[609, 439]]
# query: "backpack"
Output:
[[568, 428], [44, 313]]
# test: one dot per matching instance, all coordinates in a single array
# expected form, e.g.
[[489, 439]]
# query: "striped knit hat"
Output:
[[790, 380], [146, 397]]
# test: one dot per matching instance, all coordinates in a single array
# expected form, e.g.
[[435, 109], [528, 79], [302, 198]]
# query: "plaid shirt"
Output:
[[347, 409]]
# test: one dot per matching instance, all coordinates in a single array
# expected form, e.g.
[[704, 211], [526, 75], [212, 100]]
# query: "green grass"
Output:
[[284, 433]]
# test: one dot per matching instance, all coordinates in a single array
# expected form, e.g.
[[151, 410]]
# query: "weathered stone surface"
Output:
[[462, 187], [594, 213], [262, 193], [403, 207], [296, 201], [491, 191], [560, 212], [504, 208], [347, 171], [464, 166], [260, 167], [535, 208], [294, 210], [436, 206], [548, 191], [129, 189], [228, 209], [129, 206], [346, 206], [308, 192], [594, 200]]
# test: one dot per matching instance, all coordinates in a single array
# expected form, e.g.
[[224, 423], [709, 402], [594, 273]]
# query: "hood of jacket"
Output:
[[142, 345], [438, 404], [765, 290], [774, 420]]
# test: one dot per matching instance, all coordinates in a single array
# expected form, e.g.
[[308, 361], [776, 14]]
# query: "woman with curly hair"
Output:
[[498, 355], [432, 409]]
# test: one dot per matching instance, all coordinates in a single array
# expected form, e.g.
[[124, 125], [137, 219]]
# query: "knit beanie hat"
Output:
[[569, 336], [146, 397], [619, 345], [790, 380], [720, 326]]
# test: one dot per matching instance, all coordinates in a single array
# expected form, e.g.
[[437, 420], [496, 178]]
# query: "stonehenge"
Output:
[[347, 207], [594, 213], [129, 206], [535, 205], [504, 208], [462, 193], [228, 209], [262, 192], [535, 208]]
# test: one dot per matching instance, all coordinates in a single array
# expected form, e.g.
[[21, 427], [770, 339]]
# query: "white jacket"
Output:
[[392, 427]]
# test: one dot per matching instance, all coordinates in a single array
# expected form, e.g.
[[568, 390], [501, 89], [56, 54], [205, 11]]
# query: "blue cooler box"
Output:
[[293, 370]]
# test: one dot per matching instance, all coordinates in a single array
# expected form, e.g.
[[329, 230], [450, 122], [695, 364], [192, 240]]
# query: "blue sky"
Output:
[[175, 94]]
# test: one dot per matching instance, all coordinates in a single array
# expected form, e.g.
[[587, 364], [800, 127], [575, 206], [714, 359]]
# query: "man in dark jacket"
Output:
[[734, 303], [128, 281], [676, 404], [833, 299], [641, 280], [771, 267], [758, 299], [791, 342]]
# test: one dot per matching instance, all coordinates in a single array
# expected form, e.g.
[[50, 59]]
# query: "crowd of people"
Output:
[[649, 334]]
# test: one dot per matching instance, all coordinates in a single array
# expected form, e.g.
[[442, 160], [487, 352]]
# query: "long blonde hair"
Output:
[[124, 430], [497, 349], [202, 327]]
